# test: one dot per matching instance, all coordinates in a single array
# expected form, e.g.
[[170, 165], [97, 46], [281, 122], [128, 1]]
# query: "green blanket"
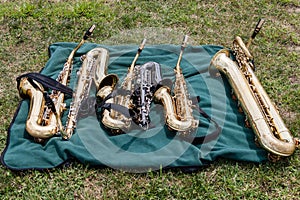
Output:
[[139, 150]]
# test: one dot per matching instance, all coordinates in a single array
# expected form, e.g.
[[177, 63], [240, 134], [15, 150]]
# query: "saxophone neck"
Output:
[[140, 49], [183, 45], [87, 34]]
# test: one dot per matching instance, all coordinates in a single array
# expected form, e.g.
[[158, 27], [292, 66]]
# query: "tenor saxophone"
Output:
[[42, 122], [93, 70], [262, 115], [112, 119], [178, 108]]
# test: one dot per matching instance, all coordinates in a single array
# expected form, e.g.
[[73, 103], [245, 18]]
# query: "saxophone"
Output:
[[42, 121], [93, 70], [260, 111], [112, 119], [148, 77], [178, 108]]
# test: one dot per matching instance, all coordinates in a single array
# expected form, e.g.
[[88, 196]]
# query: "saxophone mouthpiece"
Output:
[[142, 45], [258, 26], [89, 32], [184, 41]]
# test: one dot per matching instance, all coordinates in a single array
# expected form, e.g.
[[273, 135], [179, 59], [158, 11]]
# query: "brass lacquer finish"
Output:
[[260, 111], [42, 122], [35, 113], [93, 70], [178, 108], [112, 119]]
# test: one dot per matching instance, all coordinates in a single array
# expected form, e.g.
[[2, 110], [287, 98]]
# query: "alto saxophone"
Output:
[[148, 77], [93, 70], [178, 108], [112, 119], [260, 111], [42, 122]]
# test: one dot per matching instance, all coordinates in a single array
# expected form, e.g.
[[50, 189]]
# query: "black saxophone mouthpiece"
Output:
[[89, 32], [257, 28], [256, 31]]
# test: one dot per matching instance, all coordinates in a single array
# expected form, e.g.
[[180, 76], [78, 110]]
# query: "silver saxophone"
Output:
[[148, 76]]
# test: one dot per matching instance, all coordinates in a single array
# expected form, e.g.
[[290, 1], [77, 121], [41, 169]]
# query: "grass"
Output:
[[28, 27]]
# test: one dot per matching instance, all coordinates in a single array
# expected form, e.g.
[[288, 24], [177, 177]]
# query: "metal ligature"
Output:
[[178, 108], [113, 119], [93, 70], [44, 121], [262, 115]]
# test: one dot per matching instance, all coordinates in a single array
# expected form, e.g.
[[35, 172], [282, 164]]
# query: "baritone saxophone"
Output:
[[43, 121], [260, 111]]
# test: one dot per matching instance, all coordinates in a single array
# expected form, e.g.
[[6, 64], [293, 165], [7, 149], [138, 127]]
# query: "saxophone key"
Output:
[[240, 108], [233, 96]]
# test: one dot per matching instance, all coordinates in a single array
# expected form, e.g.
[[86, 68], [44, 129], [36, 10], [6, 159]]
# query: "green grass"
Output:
[[28, 27]]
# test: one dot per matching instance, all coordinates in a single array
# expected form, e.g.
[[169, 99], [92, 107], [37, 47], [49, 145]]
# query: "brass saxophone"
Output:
[[93, 70], [42, 122], [260, 111], [116, 121], [178, 108]]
